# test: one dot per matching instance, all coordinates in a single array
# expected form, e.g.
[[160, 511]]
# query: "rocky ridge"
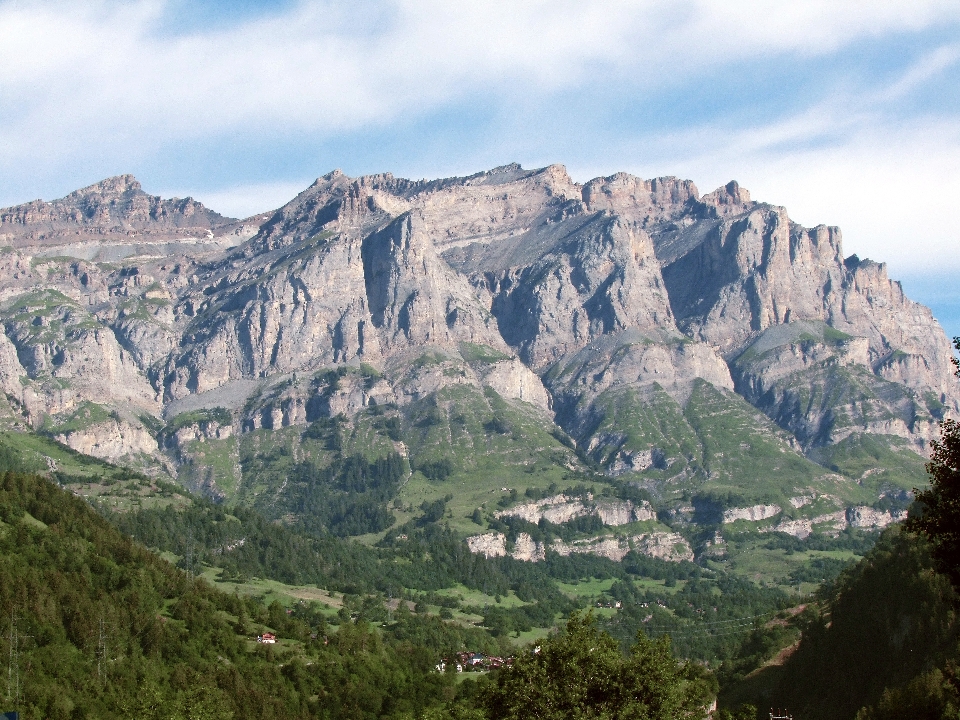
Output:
[[682, 342], [114, 219]]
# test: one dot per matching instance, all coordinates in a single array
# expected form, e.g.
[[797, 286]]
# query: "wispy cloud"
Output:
[[849, 160], [103, 68], [93, 87], [929, 67]]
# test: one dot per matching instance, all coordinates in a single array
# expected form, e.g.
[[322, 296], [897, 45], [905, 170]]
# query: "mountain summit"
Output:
[[678, 341]]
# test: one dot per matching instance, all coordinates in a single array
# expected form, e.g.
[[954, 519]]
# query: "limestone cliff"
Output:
[[117, 211], [632, 313]]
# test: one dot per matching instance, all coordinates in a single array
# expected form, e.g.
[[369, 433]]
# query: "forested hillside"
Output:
[[97, 627], [430, 565], [101, 628], [883, 642]]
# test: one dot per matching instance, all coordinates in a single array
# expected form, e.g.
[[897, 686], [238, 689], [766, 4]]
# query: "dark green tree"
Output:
[[930, 696], [939, 518], [581, 673]]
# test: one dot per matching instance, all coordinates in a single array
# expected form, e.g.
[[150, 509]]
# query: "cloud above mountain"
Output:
[[817, 105]]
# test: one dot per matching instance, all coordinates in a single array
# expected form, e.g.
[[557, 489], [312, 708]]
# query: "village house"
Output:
[[467, 660], [606, 604]]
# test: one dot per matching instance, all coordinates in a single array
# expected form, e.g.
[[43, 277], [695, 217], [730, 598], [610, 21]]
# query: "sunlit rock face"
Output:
[[577, 301]]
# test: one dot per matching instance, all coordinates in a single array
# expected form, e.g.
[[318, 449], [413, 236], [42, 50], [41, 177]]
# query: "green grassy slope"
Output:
[[744, 453]]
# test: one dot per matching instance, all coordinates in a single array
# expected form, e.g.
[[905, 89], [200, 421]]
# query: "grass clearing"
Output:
[[271, 590], [477, 598], [773, 566], [589, 588]]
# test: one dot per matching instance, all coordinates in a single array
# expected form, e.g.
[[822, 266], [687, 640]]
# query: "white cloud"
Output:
[[811, 27], [101, 83], [101, 71]]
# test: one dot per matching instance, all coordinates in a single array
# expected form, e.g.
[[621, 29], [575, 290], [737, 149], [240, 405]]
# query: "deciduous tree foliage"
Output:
[[940, 517], [931, 696], [581, 673]]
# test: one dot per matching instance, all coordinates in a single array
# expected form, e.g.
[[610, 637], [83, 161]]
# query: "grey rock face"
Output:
[[340, 299], [758, 269], [414, 297], [603, 279], [113, 209], [582, 301], [820, 384], [62, 347], [559, 509]]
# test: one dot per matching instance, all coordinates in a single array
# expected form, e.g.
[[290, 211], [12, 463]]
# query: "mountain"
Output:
[[113, 219], [511, 329]]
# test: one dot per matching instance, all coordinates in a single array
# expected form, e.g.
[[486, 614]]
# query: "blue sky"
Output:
[[847, 113]]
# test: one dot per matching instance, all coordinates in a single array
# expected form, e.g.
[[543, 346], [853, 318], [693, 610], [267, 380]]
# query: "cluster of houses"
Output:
[[658, 603], [609, 604], [619, 604], [473, 662]]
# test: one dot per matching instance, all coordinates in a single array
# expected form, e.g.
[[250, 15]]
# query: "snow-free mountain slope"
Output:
[[691, 345]]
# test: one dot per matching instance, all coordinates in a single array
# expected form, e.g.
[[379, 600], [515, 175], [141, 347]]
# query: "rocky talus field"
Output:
[[625, 363]]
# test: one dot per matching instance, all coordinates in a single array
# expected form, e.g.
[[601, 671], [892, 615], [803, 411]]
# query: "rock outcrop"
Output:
[[662, 545], [110, 440], [831, 523], [867, 517], [752, 513], [489, 544], [560, 509]]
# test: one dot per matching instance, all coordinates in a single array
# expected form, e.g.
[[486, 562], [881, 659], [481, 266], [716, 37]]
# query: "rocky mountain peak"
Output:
[[109, 189], [607, 307], [557, 179], [114, 210], [730, 199]]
